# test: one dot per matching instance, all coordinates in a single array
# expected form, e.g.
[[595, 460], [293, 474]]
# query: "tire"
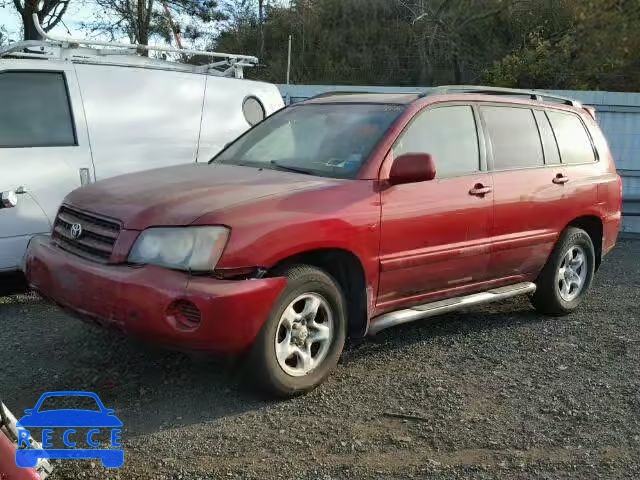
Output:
[[559, 292], [311, 351]]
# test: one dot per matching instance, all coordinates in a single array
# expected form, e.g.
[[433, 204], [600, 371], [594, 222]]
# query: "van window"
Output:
[[253, 110], [551, 153], [34, 110], [514, 137], [449, 134], [573, 141]]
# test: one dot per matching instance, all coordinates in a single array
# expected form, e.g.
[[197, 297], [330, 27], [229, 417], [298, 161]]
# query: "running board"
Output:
[[432, 309]]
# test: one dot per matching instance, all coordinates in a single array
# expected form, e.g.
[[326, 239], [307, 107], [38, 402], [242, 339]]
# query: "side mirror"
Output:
[[412, 168], [8, 199]]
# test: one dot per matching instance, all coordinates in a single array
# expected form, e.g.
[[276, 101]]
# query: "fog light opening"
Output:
[[184, 315]]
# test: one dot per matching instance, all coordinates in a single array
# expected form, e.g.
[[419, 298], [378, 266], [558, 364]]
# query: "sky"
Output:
[[78, 12]]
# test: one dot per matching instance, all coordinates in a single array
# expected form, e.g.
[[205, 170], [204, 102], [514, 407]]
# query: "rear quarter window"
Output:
[[573, 140]]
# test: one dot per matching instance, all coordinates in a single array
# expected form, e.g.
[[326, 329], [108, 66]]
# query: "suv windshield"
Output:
[[329, 140]]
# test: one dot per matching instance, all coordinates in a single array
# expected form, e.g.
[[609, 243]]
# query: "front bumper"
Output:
[[134, 300]]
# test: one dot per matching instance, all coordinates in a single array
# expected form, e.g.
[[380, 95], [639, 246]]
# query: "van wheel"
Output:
[[303, 338], [567, 275]]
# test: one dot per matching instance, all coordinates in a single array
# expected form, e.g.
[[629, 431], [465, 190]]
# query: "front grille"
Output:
[[96, 240]]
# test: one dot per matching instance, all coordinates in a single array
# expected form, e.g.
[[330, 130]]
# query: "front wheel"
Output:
[[567, 275], [304, 336]]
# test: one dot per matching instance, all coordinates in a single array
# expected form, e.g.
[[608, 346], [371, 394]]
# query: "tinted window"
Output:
[[447, 133], [551, 153], [573, 140], [514, 137], [34, 110], [331, 140]]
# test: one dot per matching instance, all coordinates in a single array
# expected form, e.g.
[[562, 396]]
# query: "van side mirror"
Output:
[[412, 168], [8, 199]]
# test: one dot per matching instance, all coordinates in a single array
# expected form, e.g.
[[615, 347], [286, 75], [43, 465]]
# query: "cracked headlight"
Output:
[[196, 249]]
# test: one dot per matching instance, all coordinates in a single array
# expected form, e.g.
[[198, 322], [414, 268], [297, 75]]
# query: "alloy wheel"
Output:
[[304, 334], [572, 273]]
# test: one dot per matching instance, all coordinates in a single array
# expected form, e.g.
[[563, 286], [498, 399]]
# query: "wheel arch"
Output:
[[347, 269], [591, 224]]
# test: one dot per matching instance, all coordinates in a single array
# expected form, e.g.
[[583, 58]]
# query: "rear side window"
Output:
[[449, 134], [551, 153], [514, 137], [573, 140], [34, 110]]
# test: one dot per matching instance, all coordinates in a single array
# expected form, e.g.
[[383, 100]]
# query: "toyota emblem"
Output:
[[76, 230]]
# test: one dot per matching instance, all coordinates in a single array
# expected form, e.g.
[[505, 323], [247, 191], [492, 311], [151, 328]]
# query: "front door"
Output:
[[435, 236], [44, 150]]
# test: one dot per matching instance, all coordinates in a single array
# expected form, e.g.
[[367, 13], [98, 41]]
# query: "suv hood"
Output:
[[180, 195]]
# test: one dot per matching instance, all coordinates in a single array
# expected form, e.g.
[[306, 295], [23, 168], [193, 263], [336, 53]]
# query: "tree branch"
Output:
[[18, 6]]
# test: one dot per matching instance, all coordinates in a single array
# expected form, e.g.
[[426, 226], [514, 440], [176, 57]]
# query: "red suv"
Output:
[[341, 216]]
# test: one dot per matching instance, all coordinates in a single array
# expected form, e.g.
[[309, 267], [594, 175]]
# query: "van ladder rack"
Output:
[[225, 64], [514, 92]]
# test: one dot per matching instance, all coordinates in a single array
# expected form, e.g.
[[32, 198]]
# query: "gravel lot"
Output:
[[496, 392]]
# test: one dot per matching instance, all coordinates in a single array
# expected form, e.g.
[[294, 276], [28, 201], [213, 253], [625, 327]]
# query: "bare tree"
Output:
[[50, 13], [139, 20], [439, 28]]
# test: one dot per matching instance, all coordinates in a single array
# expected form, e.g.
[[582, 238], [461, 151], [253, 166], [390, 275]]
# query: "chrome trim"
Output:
[[431, 309]]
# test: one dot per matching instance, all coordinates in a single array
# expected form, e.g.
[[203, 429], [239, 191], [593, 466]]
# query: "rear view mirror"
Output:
[[412, 168]]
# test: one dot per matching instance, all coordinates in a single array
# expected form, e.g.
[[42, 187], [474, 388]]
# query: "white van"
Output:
[[70, 116]]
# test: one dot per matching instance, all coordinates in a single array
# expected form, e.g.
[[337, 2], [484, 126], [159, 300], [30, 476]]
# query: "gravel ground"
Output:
[[495, 392]]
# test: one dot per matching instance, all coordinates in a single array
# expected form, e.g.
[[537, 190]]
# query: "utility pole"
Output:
[[289, 62]]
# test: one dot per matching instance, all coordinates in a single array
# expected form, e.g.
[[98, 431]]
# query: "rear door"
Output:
[[44, 149], [579, 172], [531, 205], [435, 235]]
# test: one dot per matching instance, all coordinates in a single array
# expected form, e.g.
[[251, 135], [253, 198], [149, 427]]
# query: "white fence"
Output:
[[617, 113]]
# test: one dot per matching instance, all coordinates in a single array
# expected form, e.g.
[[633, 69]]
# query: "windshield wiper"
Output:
[[291, 169]]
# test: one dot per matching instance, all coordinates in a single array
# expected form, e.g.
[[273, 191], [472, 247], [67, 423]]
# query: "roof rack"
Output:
[[67, 48], [331, 93], [513, 92]]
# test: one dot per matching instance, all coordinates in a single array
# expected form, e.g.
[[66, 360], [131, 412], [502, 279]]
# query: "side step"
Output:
[[432, 309]]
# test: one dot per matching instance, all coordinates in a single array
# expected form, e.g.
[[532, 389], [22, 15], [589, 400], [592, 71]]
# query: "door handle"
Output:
[[480, 190], [560, 179]]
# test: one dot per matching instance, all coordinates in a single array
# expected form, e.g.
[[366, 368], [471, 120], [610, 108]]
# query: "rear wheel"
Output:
[[566, 278], [304, 336]]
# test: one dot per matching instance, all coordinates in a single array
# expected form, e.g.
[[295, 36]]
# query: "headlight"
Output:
[[195, 249]]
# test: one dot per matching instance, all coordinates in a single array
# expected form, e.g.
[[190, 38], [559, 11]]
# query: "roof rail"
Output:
[[360, 92], [514, 92], [70, 50]]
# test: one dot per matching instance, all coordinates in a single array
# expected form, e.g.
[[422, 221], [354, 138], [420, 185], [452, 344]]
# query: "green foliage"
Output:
[[595, 47], [592, 44]]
